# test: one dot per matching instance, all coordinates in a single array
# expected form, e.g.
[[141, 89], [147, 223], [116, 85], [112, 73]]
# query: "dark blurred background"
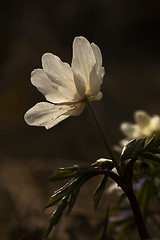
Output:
[[128, 34]]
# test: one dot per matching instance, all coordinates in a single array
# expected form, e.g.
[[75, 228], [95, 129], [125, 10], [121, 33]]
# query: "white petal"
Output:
[[101, 73], [130, 130], [122, 142], [155, 122], [80, 85], [142, 118], [61, 74], [47, 87], [79, 107], [152, 127], [98, 56], [94, 83], [97, 53], [114, 189], [48, 115], [97, 97], [82, 63]]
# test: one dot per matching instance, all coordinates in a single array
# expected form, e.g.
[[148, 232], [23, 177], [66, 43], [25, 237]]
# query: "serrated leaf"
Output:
[[74, 190], [59, 194], [99, 191], [56, 197], [57, 215], [132, 149], [62, 173], [154, 142], [73, 198]]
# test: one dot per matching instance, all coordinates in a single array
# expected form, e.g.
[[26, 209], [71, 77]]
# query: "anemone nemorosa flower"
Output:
[[64, 87], [145, 126]]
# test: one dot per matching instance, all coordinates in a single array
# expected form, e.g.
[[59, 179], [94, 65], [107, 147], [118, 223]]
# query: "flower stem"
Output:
[[104, 138], [128, 189], [137, 215]]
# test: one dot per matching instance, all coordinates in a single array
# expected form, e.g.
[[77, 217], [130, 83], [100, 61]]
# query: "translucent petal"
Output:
[[152, 127], [97, 97], [155, 122], [82, 63], [142, 118], [98, 56], [80, 85], [61, 74], [130, 130], [48, 115], [47, 87], [94, 83], [78, 109], [101, 73]]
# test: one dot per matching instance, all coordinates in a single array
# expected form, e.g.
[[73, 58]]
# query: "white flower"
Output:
[[145, 126], [114, 189], [66, 87]]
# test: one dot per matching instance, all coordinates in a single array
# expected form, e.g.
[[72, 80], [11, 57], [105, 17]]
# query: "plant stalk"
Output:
[[142, 230], [104, 138], [127, 187]]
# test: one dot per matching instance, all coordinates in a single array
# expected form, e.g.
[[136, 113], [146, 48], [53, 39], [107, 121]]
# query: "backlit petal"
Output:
[[47, 87], [142, 118], [60, 73], [98, 57], [130, 130], [98, 96], [97, 53], [94, 83], [82, 63], [155, 122], [48, 115]]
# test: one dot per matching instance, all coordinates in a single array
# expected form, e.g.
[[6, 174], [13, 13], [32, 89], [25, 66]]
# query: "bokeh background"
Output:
[[128, 34]]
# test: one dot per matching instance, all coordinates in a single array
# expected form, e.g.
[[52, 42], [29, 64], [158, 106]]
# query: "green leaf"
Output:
[[59, 194], [104, 164], [74, 190], [57, 215], [63, 173], [155, 150], [156, 185], [99, 191], [84, 170], [154, 142], [132, 149], [151, 156], [67, 194], [143, 196], [56, 197]]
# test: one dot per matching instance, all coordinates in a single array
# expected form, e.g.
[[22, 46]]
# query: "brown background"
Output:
[[128, 34]]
